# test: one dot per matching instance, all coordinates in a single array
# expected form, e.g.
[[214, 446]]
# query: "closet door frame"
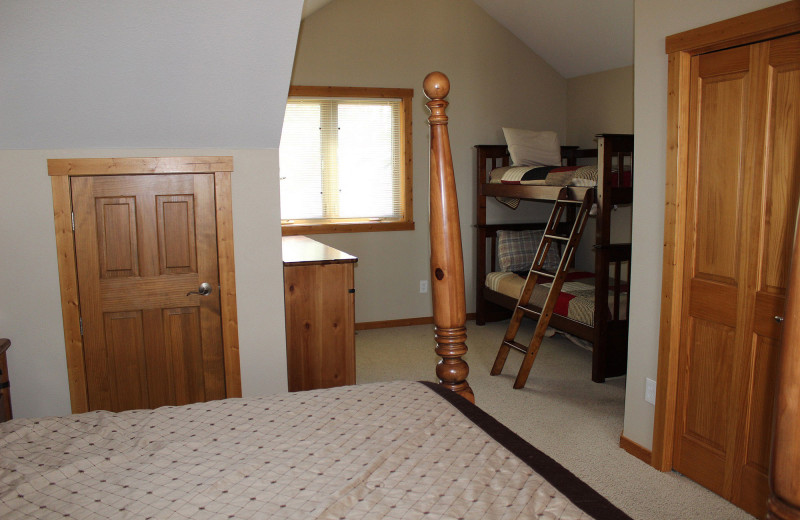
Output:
[[60, 171], [772, 22]]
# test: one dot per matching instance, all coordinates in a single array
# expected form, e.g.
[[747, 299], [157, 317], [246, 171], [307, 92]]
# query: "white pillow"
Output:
[[532, 148]]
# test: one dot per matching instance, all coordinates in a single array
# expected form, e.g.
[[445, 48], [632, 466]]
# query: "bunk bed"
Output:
[[597, 309]]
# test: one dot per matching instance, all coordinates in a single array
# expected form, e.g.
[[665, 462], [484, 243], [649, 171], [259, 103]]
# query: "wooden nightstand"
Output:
[[5, 390], [320, 314]]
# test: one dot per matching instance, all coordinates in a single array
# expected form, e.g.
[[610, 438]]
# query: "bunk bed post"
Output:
[[602, 241], [447, 263], [784, 475]]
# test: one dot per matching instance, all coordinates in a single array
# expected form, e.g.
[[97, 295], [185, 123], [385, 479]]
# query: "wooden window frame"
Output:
[[406, 221]]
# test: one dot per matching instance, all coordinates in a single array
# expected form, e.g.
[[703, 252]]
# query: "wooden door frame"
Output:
[[772, 22], [60, 171]]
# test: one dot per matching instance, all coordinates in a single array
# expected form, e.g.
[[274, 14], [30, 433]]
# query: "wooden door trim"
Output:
[[772, 22], [60, 171], [139, 165]]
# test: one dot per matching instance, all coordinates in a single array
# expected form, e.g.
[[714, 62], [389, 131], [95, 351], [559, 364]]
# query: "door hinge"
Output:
[[73, 221], [81, 322]]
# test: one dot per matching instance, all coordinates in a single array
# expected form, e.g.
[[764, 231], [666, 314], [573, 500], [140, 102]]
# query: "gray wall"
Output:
[[496, 81], [655, 20], [91, 78], [600, 103]]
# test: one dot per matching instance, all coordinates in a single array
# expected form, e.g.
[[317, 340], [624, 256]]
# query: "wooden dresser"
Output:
[[5, 391], [319, 296]]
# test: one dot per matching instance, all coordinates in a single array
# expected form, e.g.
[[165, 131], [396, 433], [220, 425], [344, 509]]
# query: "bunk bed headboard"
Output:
[[447, 262]]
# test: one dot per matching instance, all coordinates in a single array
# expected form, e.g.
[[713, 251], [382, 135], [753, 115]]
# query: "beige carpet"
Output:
[[560, 411]]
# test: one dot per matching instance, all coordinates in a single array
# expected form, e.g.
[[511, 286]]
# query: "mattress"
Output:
[[582, 176], [576, 300]]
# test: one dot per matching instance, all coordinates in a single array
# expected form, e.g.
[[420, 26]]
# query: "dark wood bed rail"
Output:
[[447, 262]]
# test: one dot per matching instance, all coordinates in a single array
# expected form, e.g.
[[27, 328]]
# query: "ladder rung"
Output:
[[516, 346], [531, 313], [569, 201], [558, 237], [543, 273]]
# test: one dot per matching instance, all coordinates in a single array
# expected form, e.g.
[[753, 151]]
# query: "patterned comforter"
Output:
[[395, 450]]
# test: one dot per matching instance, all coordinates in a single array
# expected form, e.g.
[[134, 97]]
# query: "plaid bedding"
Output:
[[516, 250], [576, 300]]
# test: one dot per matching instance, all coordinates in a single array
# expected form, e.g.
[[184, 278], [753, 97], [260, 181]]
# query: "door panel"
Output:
[[777, 213], [719, 202], [126, 360], [142, 244], [744, 188], [117, 240], [713, 285], [176, 244]]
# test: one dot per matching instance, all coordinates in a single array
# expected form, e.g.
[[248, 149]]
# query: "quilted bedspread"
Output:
[[391, 450]]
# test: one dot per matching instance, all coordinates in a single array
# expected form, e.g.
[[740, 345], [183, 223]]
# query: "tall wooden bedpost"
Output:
[[447, 263], [784, 471]]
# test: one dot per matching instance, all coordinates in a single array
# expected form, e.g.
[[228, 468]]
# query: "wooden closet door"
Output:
[[742, 205], [142, 243], [774, 214]]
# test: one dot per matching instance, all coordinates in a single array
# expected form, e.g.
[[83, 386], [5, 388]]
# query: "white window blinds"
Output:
[[340, 159]]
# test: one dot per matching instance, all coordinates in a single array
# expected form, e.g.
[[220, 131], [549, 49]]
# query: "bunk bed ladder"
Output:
[[551, 236]]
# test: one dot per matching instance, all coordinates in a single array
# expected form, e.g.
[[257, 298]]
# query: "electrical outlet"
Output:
[[649, 390], [423, 286]]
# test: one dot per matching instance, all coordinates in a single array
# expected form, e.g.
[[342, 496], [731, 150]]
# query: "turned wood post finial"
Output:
[[447, 263], [436, 85]]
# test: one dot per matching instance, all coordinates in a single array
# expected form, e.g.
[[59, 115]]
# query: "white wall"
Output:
[[496, 81], [116, 78], [655, 20], [600, 103]]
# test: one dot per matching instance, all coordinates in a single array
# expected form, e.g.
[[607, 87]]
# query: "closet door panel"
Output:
[[776, 211], [718, 178], [715, 254]]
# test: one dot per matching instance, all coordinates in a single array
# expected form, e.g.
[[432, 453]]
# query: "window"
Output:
[[345, 160]]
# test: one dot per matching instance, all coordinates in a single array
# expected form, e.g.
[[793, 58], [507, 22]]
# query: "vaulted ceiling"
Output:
[[576, 37]]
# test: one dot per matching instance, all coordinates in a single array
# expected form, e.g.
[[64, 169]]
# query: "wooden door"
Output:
[[143, 243], [741, 210]]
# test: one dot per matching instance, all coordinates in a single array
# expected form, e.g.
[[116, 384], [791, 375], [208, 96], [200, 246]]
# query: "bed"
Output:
[[595, 309], [384, 450]]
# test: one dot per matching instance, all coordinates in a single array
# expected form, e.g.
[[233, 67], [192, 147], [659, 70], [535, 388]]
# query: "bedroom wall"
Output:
[[600, 103], [102, 79], [654, 21], [496, 81]]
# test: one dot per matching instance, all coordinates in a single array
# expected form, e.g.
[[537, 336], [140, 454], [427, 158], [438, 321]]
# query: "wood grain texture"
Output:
[[177, 230], [447, 262], [227, 282], [320, 315], [784, 163], [635, 449], [68, 283], [138, 165]]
